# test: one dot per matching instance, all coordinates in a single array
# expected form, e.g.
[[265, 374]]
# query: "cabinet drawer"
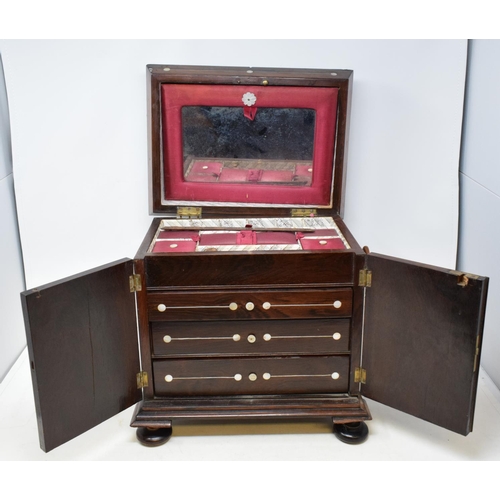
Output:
[[254, 268], [262, 304], [294, 375], [261, 337]]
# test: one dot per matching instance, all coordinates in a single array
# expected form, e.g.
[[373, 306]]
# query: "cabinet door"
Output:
[[83, 349], [422, 338]]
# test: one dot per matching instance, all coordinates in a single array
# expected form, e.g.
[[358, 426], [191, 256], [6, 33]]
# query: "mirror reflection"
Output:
[[222, 144]]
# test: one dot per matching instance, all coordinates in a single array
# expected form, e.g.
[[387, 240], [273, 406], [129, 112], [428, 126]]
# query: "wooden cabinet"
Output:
[[251, 297]]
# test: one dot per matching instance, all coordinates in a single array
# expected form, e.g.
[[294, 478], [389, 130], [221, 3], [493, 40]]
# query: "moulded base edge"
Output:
[[161, 412]]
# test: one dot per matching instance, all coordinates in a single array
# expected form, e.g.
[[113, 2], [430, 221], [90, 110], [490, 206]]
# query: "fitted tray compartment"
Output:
[[261, 304], [262, 337], [224, 376]]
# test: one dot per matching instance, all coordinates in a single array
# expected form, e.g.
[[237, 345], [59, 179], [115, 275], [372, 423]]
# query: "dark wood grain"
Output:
[[216, 338], [358, 305], [82, 343], [421, 333], [289, 375], [244, 270], [285, 304], [338, 407], [165, 74], [144, 328], [148, 239]]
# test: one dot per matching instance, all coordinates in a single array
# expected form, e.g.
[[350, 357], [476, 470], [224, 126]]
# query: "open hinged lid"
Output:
[[260, 141]]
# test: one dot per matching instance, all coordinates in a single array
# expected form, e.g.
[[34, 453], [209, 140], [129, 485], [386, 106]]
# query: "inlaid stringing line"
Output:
[[302, 337], [199, 378], [197, 307], [273, 337], [272, 376], [289, 376], [301, 305], [201, 338], [227, 307]]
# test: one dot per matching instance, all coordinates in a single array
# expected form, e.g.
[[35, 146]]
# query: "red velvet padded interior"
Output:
[[319, 244], [322, 100], [174, 246]]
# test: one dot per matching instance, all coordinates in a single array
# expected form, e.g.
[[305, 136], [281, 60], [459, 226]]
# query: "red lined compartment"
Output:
[[204, 167], [277, 176], [233, 175], [213, 239], [322, 244], [237, 188], [174, 246], [276, 238], [203, 171], [304, 170]]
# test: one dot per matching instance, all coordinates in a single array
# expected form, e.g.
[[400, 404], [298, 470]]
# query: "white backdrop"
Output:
[[480, 182], [78, 118], [12, 338]]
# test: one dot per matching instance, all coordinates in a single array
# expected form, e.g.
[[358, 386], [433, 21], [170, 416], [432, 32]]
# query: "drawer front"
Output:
[[255, 269], [187, 338], [294, 375], [262, 304]]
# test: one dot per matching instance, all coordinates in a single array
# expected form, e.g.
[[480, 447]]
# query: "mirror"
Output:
[[222, 144]]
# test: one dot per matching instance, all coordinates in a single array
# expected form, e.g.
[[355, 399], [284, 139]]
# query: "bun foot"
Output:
[[351, 433], [149, 436]]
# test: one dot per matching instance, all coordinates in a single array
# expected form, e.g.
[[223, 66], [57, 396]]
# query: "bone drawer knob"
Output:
[[252, 377], [266, 305], [337, 304], [162, 307], [249, 306], [233, 306], [251, 339], [336, 336]]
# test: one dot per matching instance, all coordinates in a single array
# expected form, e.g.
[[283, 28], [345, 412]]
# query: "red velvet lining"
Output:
[[319, 244], [253, 238], [275, 238], [174, 246], [322, 100], [213, 239]]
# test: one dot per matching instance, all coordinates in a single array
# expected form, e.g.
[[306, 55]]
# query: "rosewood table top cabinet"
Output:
[[249, 298]]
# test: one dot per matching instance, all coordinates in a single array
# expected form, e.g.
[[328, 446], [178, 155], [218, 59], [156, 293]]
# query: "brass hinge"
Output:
[[188, 212], [476, 356], [135, 283], [463, 278], [365, 278], [360, 375], [142, 380], [304, 212]]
